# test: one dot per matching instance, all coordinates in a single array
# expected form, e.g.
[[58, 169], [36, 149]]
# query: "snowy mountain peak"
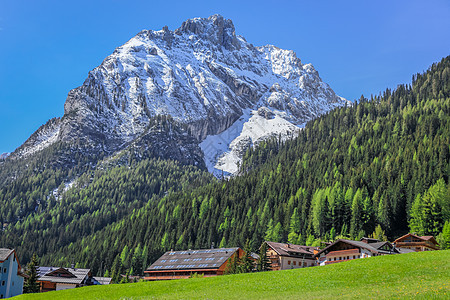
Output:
[[202, 75], [215, 29]]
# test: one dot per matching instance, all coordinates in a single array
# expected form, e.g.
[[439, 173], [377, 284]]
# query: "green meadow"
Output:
[[424, 275]]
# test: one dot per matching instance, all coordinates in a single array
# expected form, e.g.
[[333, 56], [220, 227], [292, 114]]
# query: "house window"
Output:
[[295, 263], [4, 270], [3, 282], [354, 257], [289, 262]]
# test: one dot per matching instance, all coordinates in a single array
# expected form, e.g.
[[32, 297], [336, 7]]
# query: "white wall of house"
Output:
[[366, 253], [294, 263], [341, 257], [65, 286]]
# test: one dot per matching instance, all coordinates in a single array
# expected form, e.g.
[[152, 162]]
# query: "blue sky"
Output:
[[359, 47]]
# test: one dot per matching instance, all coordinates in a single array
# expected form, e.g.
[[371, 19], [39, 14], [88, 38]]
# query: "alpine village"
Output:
[[190, 157]]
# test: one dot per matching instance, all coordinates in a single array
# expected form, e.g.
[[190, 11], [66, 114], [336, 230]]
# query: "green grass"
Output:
[[423, 275]]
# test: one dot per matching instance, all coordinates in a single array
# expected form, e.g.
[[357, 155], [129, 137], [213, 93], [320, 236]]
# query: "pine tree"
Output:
[[263, 263], [269, 231], [30, 285], [223, 242], [277, 232], [136, 261], [124, 256], [294, 227], [145, 258], [116, 269], [445, 236], [246, 263], [355, 223], [379, 234]]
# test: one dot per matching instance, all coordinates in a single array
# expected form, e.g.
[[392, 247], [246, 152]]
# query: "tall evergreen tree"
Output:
[[246, 263], [445, 236], [30, 284], [263, 263], [294, 227]]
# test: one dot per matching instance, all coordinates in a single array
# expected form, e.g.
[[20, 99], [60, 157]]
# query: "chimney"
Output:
[[212, 245], [72, 266]]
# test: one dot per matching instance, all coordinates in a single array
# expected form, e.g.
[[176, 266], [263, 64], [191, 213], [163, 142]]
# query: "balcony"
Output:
[[348, 252], [416, 244]]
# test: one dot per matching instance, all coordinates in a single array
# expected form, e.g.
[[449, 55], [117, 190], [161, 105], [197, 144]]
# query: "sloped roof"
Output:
[[372, 247], [369, 240], [103, 280], [379, 245], [429, 238], [5, 253], [284, 249], [425, 237], [47, 274], [193, 259]]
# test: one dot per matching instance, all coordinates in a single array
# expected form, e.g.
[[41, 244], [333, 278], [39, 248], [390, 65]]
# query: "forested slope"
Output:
[[383, 161], [348, 171], [96, 199]]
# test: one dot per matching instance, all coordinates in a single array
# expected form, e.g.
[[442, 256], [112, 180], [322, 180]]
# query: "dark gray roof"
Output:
[[103, 280], [193, 259], [372, 247], [284, 249], [5, 253], [370, 240], [79, 275]]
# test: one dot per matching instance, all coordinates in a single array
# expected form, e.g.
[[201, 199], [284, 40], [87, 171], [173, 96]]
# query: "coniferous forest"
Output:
[[380, 166]]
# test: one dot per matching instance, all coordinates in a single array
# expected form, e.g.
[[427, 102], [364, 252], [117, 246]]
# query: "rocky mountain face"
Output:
[[225, 94]]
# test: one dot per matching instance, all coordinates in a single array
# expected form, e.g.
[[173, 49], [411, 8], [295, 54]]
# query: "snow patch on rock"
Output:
[[224, 151]]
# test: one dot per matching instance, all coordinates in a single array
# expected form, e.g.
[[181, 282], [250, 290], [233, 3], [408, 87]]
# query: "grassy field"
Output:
[[424, 275]]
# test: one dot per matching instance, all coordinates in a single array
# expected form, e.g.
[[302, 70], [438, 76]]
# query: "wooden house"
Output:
[[417, 243], [182, 264], [11, 276], [344, 250], [57, 278], [285, 256]]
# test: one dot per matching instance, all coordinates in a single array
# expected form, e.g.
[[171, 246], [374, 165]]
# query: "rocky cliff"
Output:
[[202, 75]]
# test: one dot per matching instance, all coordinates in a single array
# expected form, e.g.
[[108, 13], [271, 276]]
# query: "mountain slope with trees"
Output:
[[382, 163]]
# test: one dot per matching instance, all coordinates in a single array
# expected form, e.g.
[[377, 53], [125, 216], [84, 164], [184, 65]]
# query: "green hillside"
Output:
[[423, 275], [384, 161]]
